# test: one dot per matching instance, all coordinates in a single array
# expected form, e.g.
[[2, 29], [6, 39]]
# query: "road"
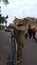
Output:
[[4, 47], [29, 52], [7, 49]]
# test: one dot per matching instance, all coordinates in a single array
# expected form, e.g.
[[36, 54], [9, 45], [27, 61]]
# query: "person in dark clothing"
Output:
[[26, 34], [34, 31], [30, 33]]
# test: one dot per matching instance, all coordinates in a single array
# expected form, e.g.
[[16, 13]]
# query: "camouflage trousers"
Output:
[[19, 56]]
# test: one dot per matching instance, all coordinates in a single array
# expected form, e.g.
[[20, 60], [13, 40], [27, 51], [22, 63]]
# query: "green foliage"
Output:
[[6, 17], [1, 27], [3, 19], [5, 2]]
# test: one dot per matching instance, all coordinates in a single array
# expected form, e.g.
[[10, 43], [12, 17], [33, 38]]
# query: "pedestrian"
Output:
[[26, 33], [30, 32], [19, 35], [34, 31]]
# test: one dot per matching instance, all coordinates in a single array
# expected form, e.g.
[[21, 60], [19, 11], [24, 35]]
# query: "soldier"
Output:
[[19, 35]]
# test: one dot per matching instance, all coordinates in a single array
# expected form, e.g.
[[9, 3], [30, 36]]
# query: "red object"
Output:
[[33, 30]]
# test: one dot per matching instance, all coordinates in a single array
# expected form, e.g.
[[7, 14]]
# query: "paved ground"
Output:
[[29, 50], [29, 53], [4, 47]]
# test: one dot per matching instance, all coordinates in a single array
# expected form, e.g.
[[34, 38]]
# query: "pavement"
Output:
[[29, 56], [4, 47]]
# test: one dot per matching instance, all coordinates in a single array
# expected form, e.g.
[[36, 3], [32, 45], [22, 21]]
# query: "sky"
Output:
[[19, 8]]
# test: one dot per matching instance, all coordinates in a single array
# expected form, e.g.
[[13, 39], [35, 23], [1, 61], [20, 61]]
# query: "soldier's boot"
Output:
[[18, 62], [21, 60]]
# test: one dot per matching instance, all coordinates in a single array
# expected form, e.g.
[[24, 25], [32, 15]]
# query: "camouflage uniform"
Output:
[[19, 34]]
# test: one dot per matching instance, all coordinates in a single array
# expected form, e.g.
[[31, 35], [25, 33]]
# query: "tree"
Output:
[[3, 19], [5, 2], [6, 20]]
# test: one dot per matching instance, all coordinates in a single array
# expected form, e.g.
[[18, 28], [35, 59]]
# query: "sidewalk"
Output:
[[29, 53]]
